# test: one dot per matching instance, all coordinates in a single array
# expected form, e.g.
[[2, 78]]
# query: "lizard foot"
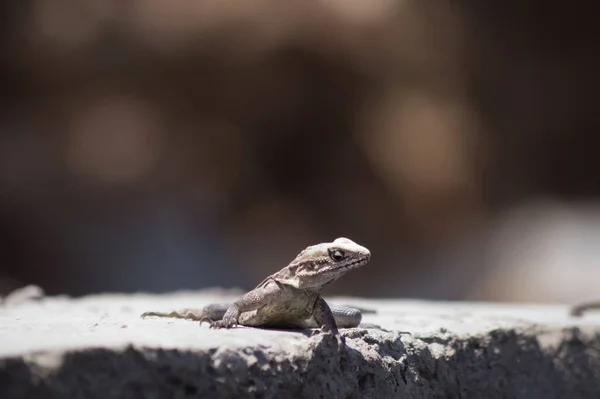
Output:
[[326, 330], [341, 340], [206, 320], [224, 323], [314, 333]]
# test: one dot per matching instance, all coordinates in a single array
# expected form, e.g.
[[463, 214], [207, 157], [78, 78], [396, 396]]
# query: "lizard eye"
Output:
[[336, 255]]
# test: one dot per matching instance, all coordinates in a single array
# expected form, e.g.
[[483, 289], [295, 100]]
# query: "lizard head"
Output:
[[323, 263]]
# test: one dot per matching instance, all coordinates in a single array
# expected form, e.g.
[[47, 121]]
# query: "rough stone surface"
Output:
[[98, 347]]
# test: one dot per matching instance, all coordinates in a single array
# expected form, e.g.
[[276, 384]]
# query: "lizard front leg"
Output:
[[252, 300], [324, 316]]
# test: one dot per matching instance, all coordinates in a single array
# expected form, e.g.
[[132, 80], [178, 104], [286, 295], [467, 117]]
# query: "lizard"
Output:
[[290, 298]]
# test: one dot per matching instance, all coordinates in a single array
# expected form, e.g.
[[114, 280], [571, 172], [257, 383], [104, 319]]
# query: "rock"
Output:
[[97, 346]]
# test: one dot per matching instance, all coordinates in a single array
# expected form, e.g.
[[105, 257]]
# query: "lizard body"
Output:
[[290, 298]]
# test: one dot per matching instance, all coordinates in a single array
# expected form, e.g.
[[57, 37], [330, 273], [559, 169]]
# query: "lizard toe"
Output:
[[314, 333], [205, 320], [216, 325]]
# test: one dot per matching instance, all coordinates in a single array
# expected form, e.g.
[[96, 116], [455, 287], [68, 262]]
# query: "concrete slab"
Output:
[[97, 346]]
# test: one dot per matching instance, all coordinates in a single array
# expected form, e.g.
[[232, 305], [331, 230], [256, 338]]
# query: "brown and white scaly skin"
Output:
[[291, 297]]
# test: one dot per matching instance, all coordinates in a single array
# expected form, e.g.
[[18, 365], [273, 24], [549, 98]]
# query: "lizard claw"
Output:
[[333, 332], [340, 339], [314, 333], [224, 323], [206, 320], [221, 324], [328, 330]]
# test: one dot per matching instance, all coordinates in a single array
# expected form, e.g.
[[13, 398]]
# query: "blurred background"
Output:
[[154, 145]]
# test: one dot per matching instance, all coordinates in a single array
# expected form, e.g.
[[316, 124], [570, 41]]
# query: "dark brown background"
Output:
[[152, 145]]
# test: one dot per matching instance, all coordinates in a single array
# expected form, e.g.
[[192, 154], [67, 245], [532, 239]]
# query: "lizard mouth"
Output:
[[355, 263], [336, 273]]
